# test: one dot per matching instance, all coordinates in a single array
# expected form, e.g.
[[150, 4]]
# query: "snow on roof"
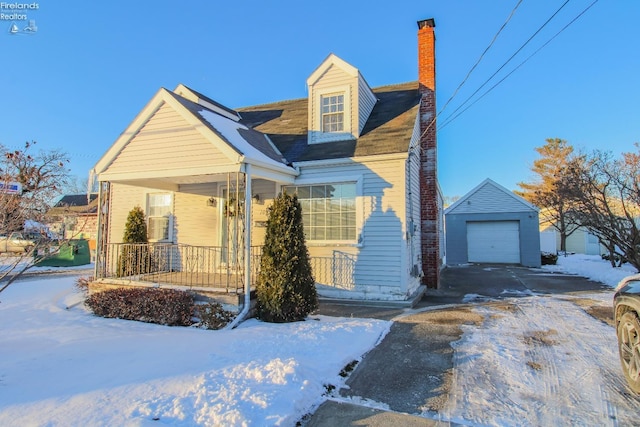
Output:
[[231, 131]]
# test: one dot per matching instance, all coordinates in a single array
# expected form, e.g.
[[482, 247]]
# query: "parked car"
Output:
[[16, 243], [626, 303]]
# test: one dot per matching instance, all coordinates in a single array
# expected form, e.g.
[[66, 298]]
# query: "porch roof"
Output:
[[174, 141]]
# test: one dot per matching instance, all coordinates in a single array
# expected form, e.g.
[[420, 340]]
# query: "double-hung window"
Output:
[[332, 113], [159, 213], [328, 211]]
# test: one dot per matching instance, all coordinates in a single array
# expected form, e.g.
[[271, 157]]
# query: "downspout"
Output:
[[247, 250], [411, 227]]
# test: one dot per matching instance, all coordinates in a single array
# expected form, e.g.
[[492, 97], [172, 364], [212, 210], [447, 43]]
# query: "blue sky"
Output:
[[77, 82]]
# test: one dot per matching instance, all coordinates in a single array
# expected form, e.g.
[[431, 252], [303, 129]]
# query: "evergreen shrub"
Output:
[[285, 287], [548, 258], [135, 257]]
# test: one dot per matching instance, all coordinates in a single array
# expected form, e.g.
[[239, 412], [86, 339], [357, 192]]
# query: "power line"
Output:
[[450, 119], [507, 61], [495, 37], [472, 68]]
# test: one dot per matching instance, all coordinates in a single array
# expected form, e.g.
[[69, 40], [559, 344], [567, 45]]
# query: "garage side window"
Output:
[[328, 211], [159, 210]]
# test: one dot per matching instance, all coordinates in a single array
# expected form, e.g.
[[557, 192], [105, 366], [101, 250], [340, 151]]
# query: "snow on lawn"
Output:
[[60, 365], [545, 361], [592, 267]]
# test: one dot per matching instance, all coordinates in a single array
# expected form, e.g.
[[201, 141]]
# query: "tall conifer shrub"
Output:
[[135, 258], [286, 288]]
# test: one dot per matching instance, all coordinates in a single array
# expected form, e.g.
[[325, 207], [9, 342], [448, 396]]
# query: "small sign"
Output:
[[10, 187]]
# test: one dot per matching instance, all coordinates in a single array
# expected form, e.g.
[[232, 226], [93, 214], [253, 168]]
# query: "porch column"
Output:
[[104, 193], [247, 237]]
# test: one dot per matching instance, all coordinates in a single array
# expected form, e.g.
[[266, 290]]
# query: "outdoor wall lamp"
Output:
[[211, 201]]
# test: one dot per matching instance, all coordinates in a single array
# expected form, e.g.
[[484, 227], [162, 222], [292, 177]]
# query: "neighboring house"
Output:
[[491, 224], [75, 216], [361, 160], [579, 241]]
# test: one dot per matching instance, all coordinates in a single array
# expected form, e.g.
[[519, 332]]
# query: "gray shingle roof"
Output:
[[75, 200], [388, 129]]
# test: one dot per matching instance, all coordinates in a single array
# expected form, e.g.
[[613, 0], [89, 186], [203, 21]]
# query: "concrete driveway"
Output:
[[469, 282], [410, 371]]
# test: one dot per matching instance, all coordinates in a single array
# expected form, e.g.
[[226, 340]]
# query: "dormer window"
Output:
[[340, 102], [333, 113]]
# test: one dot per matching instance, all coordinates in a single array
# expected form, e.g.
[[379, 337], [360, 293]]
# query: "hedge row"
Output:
[[153, 305]]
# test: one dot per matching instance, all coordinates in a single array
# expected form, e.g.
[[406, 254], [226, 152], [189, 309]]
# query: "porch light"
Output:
[[256, 197], [212, 202]]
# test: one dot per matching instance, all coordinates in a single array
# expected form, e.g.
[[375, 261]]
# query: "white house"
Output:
[[361, 160]]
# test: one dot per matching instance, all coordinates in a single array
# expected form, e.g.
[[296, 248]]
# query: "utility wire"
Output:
[[472, 68], [450, 119], [481, 57], [508, 60]]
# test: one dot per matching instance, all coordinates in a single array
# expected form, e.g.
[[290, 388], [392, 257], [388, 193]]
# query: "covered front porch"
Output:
[[204, 181], [200, 267]]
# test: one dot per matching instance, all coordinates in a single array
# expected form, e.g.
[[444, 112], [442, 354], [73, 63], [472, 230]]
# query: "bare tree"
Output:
[[29, 184], [607, 196], [549, 191]]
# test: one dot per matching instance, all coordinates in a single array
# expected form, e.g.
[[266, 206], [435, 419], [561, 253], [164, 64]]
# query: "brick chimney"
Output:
[[429, 209]]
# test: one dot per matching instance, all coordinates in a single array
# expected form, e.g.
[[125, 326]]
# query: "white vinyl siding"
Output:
[[380, 252], [493, 242], [366, 101], [123, 199], [196, 221], [167, 142], [359, 101], [413, 200]]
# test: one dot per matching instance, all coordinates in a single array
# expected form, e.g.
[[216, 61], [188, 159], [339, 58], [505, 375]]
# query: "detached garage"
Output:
[[492, 225]]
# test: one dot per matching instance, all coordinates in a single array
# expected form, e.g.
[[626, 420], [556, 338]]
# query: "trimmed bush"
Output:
[[213, 316], [152, 305], [135, 259], [285, 287], [548, 258]]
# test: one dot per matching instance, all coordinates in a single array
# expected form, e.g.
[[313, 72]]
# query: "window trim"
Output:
[[317, 135], [326, 115], [170, 215], [353, 179]]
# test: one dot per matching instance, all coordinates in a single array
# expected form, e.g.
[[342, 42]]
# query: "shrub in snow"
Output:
[[135, 257], [285, 287], [213, 316], [615, 259], [547, 258], [153, 305], [82, 284]]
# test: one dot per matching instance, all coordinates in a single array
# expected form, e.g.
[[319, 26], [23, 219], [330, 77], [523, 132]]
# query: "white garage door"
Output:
[[494, 241]]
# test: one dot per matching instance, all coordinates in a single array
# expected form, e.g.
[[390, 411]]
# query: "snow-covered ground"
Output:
[[546, 364]]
